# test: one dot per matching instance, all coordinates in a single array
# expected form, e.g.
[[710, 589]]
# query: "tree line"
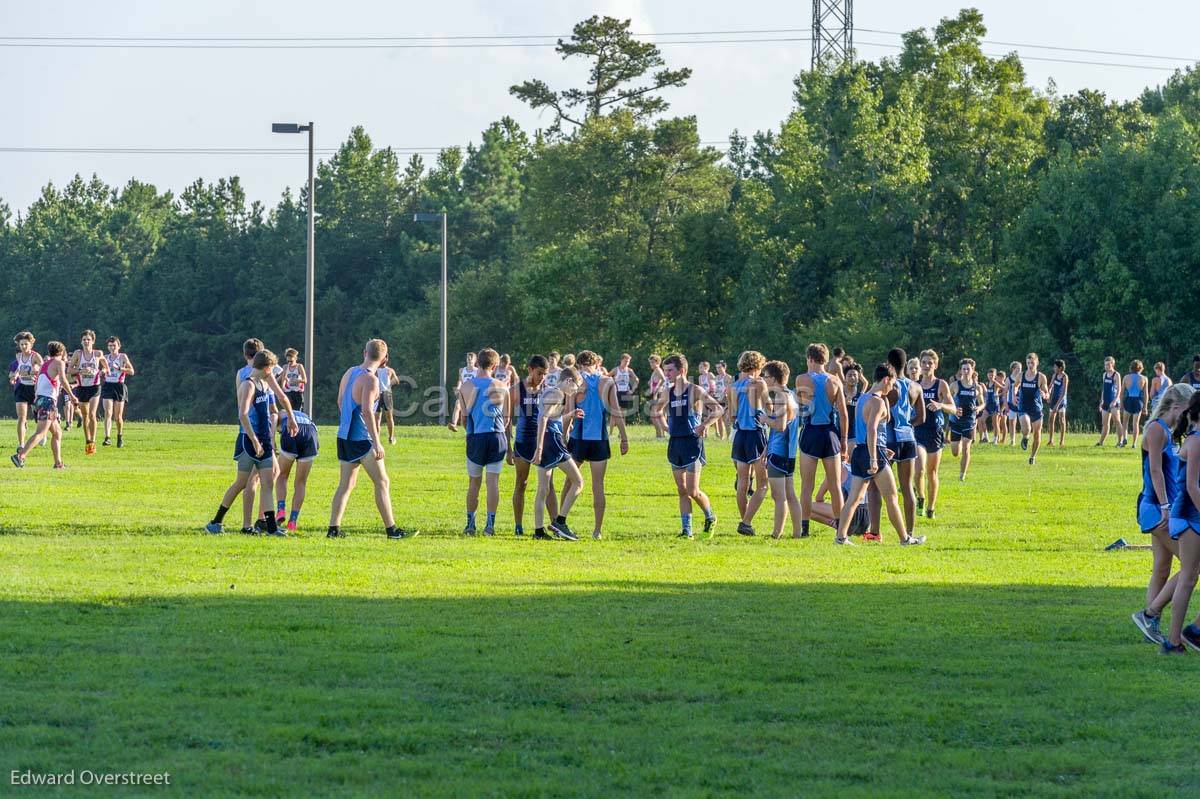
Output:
[[932, 199]]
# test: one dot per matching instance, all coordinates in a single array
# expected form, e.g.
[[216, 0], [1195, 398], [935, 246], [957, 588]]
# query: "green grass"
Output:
[[997, 661]]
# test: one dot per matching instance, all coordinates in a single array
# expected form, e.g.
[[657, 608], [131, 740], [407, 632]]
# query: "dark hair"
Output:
[[114, 340], [898, 358], [487, 358], [1059, 363], [1188, 418], [25, 335], [88, 334], [838, 352], [818, 353], [586, 358], [251, 346], [676, 360], [538, 362], [55, 348], [886, 369], [264, 359]]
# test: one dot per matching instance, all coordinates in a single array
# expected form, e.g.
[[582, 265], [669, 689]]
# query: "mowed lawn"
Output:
[[999, 660]]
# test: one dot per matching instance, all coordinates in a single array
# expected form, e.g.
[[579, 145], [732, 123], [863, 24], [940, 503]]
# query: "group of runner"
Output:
[[54, 388]]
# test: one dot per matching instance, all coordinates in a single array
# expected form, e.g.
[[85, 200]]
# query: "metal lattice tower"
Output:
[[832, 32]]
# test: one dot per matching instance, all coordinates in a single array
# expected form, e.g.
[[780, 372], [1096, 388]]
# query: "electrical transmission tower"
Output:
[[832, 32]]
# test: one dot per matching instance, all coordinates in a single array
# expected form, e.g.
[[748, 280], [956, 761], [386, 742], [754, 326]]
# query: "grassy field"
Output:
[[997, 661]]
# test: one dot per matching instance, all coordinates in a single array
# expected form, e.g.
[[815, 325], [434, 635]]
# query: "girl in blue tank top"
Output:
[[1110, 406], [1184, 526], [968, 399], [783, 444], [1158, 384], [1134, 403]]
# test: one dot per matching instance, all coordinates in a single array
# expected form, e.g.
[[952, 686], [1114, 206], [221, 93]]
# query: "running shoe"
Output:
[[335, 534], [90, 448], [1030, 460], [1191, 637], [107, 441], [214, 527], [744, 528], [391, 439], [929, 513], [277, 533], [844, 542], [291, 526], [542, 535], [469, 530], [596, 535], [280, 516], [489, 531], [1024, 442], [120, 441], [398, 533], [685, 534], [869, 536], [1149, 626], [1172, 649], [60, 466], [913, 541], [259, 527], [17, 461], [709, 521], [562, 531], [962, 478], [920, 502], [248, 531]]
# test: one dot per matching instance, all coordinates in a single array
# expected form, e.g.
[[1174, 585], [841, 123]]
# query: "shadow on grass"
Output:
[[603, 689]]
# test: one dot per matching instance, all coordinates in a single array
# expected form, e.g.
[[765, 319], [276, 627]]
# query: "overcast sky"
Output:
[[429, 98]]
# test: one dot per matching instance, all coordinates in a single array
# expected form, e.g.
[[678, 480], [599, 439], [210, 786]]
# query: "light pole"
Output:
[[440, 218], [310, 271]]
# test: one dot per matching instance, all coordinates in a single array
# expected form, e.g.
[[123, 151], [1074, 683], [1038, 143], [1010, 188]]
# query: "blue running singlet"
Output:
[[1173, 478], [785, 443], [965, 399], [932, 420], [1184, 514], [351, 426], [594, 424], [487, 415], [1108, 394], [860, 423], [1135, 386], [528, 411], [899, 426], [1058, 396], [1164, 383], [745, 411], [1031, 396], [260, 414], [682, 419], [822, 408]]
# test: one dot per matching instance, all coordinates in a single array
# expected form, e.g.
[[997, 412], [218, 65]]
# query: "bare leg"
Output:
[[520, 482], [56, 442], [743, 487], [346, 480], [108, 413], [236, 488], [932, 461], [1037, 439], [904, 471], [682, 493], [598, 469], [808, 479], [692, 481], [247, 499], [281, 478], [1189, 568], [302, 470], [759, 469], [22, 415], [569, 495], [1062, 431], [473, 485], [833, 477], [779, 497], [919, 474], [492, 480], [377, 471], [887, 490], [1165, 549], [965, 458], [119, 409], [858, 487]]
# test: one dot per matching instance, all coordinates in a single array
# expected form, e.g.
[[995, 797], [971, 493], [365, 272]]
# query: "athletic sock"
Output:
[[281, 506], [708, 514], [335, 529], [560, 519], [520, 529], [804, 526], [470, 518], [294, 516], [539, 531], [491, 520], [687, 520], [220, 517], [269, 522], [390, 530]]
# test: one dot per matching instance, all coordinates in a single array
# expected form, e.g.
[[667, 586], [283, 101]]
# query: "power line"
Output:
[[240, 151], [1053, 47], [431, 46], [424, 37], [1045, 58]]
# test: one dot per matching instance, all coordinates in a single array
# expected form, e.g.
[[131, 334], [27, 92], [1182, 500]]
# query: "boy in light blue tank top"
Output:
[[483, 407], [749, 437], [824, 438], [358, 442], [782, 417], [588, 441]]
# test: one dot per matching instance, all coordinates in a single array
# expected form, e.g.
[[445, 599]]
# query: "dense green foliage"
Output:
[[934, 199], [996, 661]]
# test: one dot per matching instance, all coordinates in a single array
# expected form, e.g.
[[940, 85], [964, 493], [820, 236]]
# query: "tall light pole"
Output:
[[442, 218], [310, 271]]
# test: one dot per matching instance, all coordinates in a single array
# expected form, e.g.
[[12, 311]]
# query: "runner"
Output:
[[1133, 402], [250, 348], [968, 398], [467, 372], [823, 511], [1158, 385], [907, 409], [997, 416], [504, 371], [852, 384], [912, 369], [869, 461], [824, 440], [1033, 393], [113, 392], [23, 375], [483, 407], [298, 450], [358, 442], [930, 434], [746, 401], [1184, 526], [51, 379], [588, 441], [1162, 481], [783, 445], [990, 407], [554, 406], [385, 405], [627, 384], [294, 378], [1192, 378], [254, 448], [690, 411], [1012, 392], [655, 383], [1110, 405], [1059, 386], [525, 400], [85, 366], [721, 384], [552, 369]]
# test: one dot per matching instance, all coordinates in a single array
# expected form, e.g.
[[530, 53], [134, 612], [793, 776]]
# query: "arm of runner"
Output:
[[281, 401], [245, 403], [915, 402], [874, 417], [127, 366], [369, 396], [618, 416]]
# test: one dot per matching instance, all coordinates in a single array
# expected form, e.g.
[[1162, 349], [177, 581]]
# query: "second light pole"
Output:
[[310, 271], [441, 218]]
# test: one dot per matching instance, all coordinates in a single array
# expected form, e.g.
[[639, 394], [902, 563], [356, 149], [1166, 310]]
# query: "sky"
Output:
[[423, 98]]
